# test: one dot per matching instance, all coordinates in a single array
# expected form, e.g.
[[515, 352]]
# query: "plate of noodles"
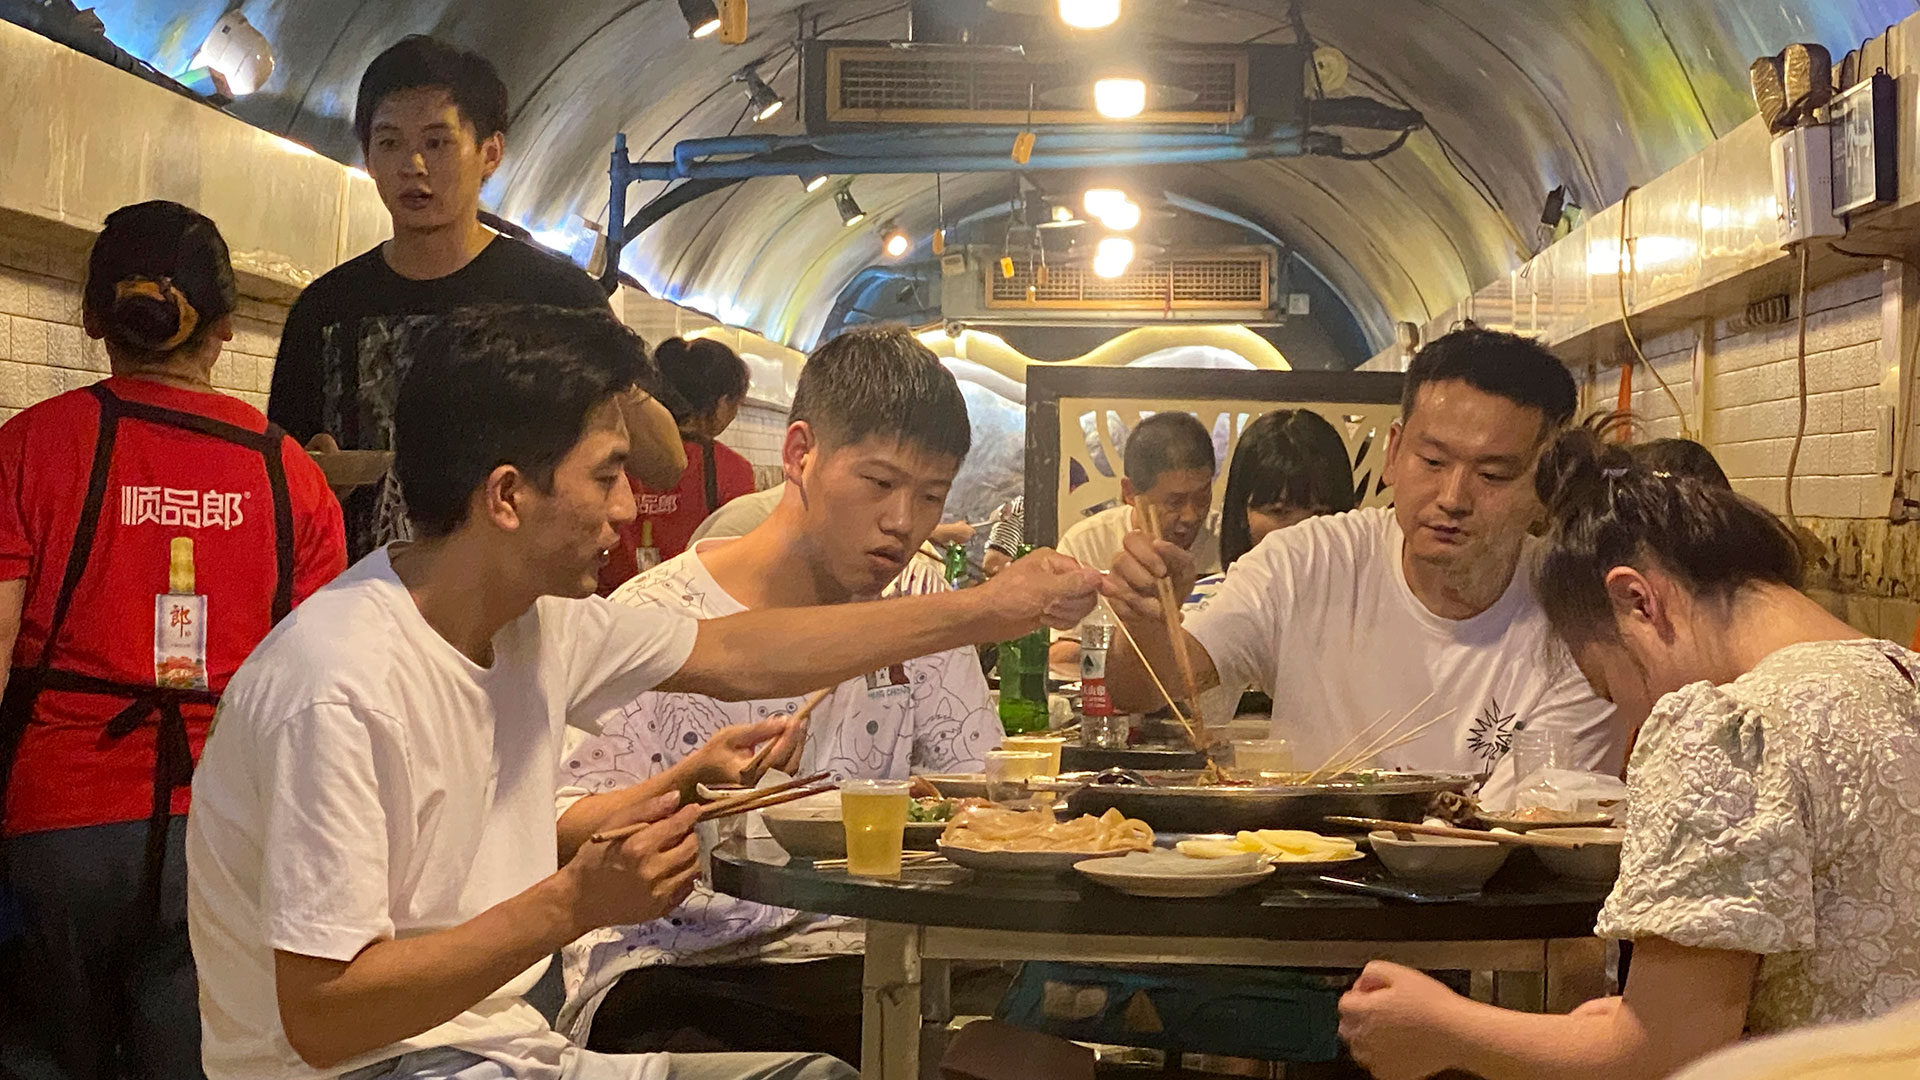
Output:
[[997, 840]]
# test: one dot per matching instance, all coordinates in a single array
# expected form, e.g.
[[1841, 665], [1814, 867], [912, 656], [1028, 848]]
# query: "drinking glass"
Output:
[[874, 814], [1008, 772], [1046, 744]]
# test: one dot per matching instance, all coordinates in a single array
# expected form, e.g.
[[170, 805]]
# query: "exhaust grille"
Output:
[[1213, 281], [968, 85]]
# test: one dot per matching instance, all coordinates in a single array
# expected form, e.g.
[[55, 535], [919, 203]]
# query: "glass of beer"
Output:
[[1046, 744], [1008, 772], [874, 813], [1253, 758]]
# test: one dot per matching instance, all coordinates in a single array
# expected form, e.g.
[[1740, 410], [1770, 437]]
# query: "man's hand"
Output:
[[1045, 588], [1394, 1022], [725, 757], [1132, 585], [638, 879]]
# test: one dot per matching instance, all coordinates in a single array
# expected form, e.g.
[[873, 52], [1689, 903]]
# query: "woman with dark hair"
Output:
[[1770, 877], [705, 382], [152, 530], [1290, 465]]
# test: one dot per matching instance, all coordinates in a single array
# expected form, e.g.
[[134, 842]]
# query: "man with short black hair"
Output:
[[376, 876], [1413, 610], [431, 120], [878, 431]]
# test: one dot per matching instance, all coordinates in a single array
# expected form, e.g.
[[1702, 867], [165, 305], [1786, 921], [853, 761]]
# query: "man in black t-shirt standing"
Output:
[[431, 122]]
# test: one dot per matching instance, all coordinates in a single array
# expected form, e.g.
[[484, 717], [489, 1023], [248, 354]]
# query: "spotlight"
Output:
[[238, 53], [850, 212], [1121, 216], [813, 183], [1120, 98], [896, 242], [1098, 200], [762, 100], [1089, 14], [703, 17]]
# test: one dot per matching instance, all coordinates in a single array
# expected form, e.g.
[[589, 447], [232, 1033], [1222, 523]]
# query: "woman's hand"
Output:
[[1395, 1022]]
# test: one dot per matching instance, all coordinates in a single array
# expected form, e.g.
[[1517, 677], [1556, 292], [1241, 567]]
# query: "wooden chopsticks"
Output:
[[756, 768], [739, 804], [1515, 839], [1170, 608]]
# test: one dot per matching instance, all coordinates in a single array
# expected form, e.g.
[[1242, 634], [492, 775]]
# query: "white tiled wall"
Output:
[[1753, 392], [756, 435], [44, 352]]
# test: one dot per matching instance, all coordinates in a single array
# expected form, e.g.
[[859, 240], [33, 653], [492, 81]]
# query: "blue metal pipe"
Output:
[[815, 163], [956, 140]]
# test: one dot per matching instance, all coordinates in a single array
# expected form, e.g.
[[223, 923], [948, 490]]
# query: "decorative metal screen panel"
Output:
[[978, 85], [1211, 281]]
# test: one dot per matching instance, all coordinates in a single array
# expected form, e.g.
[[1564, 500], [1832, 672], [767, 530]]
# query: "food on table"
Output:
[[1277, 845], [926, 811], [1529, 815], [991, 828]]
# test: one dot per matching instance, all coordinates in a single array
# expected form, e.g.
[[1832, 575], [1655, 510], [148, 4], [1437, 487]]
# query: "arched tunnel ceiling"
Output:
[[1520, 96]]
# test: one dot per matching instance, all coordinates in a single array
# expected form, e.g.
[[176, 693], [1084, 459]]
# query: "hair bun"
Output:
[[151, 314], [671, 351], [1573, 471]]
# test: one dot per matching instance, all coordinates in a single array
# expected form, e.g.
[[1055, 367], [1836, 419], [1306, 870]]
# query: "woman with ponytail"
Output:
[[705, 382], [152, 530], [1770, 877]]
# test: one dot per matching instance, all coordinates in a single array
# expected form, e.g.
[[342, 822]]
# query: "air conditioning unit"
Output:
[[1235, 284]]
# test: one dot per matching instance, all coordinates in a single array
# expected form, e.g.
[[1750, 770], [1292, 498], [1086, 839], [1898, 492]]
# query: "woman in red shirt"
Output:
[[705, 382], [152, 531]]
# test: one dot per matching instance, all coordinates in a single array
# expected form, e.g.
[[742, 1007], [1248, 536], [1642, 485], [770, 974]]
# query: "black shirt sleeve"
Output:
[[295, 401]]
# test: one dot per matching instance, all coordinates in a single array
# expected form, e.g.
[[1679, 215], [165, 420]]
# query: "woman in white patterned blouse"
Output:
[[1771, 873]]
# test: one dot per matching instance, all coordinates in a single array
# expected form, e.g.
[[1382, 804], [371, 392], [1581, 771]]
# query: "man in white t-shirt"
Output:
[[878, 430], [1170, 466], [1420, 610], [376, 875]]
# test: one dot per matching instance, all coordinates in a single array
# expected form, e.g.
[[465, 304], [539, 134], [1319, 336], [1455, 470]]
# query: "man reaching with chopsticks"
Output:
[[877, 432], [375, 872], [1396, 614]]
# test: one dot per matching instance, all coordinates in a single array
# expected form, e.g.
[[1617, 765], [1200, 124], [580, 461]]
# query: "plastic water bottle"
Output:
[[1099, 727]]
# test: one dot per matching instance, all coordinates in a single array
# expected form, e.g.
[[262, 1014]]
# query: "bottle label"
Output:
[[180, 641], [1094, 699]]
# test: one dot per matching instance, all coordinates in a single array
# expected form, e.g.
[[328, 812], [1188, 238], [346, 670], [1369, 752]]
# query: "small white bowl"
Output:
[[1439, 860], [1597, 859]]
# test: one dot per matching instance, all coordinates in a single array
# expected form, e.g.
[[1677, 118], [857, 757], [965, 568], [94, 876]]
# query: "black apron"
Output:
[[173, 758]]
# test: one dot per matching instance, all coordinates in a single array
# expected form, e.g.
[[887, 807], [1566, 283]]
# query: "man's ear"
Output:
[[796, 450], [492, 150], [1127, 492], [500, 498], [1394, 433]]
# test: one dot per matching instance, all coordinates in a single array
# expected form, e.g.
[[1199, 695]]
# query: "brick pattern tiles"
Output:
[[756, 435], [1753, 404], [44, 352]]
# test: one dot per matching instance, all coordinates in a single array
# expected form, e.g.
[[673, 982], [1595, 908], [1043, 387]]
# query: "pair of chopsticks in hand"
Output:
[[756, 768], [1170, 609], [745, 802]]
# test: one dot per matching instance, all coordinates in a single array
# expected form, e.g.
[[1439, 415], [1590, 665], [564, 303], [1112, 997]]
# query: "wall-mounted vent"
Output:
[[873, 83], [1238, 280]]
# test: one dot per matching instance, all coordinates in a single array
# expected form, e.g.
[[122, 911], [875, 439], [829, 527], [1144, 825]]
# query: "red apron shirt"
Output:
[[146, 700]]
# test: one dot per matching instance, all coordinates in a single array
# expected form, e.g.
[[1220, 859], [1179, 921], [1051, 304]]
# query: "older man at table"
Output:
[[1426, 607]]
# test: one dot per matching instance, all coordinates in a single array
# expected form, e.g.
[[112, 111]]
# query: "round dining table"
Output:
[[1527, 935]]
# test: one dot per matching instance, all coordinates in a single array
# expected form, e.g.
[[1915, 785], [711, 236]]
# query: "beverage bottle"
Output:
[[646, 556], [1023, 679], [1099, 727], [956, 565]]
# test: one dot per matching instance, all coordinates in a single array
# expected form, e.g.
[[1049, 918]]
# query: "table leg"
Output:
[[1525, 990], [1576, 972], [890, 1004]]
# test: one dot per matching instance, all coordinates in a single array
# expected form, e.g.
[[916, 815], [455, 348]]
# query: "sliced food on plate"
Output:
[[992, 828], [1274, 845]]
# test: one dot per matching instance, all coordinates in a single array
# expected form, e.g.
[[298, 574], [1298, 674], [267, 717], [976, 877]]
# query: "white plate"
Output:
[[1021, 862], [1171, 886]]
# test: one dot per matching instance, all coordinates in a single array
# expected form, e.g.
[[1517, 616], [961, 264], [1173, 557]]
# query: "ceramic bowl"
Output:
[[1597, 859], [1440, 861]]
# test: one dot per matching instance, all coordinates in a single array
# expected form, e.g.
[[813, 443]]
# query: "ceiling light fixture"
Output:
[[1089, 14], [703, 17], [237, 52], [1121, 216], [1098, 200], [1120, 98], [813, 183], [1112, 257], [896, 242], [850, 212], [762, 100]]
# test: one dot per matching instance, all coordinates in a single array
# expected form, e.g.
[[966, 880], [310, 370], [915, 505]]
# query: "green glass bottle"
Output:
[[1023, 679], [956, 565]]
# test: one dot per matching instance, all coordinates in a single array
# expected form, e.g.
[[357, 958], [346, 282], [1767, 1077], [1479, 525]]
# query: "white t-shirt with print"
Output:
[[928, 715], [1096, 540], [365, 781], [1320, 616]]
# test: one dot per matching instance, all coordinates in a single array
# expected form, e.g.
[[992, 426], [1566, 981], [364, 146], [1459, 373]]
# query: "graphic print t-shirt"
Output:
[[350, 340]]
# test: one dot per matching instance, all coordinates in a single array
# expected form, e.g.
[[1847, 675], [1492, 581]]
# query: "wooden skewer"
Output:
[[1348, 745], [1515, 839], [756, 768], [1158, 685], [1176, 636], [716, 809], [1381, 745], [907, 858]]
